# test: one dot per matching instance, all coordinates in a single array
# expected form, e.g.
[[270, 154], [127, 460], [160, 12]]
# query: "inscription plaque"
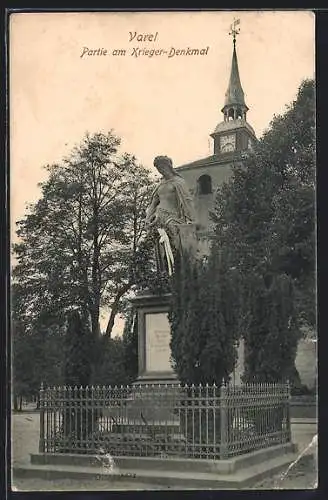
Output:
[[158, 336]]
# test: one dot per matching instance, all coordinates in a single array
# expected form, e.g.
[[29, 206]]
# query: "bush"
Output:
[[204, 319], [273, 332]]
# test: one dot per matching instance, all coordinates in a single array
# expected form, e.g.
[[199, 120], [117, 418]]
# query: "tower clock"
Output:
[[227, 143]]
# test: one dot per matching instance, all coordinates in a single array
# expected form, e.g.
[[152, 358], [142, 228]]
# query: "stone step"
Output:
[[175, 463], [137, 412], [187, 480], [142, 427]]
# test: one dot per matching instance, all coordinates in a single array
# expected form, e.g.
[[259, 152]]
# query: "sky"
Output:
[[157, 105]]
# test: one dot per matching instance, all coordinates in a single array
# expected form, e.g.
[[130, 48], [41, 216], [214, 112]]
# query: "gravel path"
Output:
[[25, 436], [76, 485], [25, 440], [302, 476]]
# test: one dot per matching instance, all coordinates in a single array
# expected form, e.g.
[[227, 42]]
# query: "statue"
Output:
[[171, 216]]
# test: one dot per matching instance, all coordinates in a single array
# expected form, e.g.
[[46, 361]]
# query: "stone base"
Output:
[[237, 473], [154, 335], [157, 378]]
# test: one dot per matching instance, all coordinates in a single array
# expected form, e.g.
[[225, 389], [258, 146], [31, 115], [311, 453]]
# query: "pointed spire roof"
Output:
[[234, 109], [234, 94]]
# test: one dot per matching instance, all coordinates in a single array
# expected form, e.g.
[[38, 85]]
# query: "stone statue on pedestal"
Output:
[[171, 216]]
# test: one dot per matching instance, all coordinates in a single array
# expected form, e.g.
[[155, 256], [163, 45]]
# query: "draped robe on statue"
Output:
[[171, 214]]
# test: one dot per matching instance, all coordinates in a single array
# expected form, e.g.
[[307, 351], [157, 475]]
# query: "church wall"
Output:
[[218, 172], [204, 203], [306, 362]]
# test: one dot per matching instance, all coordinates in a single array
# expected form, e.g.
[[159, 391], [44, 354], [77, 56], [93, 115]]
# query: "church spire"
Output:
[[234, 105], [234, 134]]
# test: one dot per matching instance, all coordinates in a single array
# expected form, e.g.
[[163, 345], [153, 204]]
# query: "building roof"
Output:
[[233, 97], [234, 94], [226, 126], [208, 161], [199, 163]]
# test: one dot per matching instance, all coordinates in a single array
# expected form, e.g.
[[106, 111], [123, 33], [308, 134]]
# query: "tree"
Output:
[[22, 366], [203, 320], [273, 333], [265, 214], [265, 220], [78, 345], [37, 354], [80, 244], [111, 369]]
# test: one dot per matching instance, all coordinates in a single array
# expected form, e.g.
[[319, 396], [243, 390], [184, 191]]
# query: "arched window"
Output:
[[204, 184], [239, 114], [231, 114]]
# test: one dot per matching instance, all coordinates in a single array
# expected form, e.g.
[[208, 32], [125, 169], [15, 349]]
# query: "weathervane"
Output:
[[233, 30]]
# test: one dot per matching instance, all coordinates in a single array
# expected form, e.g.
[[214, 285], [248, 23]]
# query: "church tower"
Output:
[[232, 137], [233, 134]]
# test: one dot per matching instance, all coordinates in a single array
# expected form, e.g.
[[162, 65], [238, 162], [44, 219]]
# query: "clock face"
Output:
[[227, 143]]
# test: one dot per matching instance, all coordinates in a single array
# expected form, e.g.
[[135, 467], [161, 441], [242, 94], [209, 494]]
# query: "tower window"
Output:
[[204, 184]]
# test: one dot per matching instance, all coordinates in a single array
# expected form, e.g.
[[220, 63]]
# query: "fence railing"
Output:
[[163, 420]]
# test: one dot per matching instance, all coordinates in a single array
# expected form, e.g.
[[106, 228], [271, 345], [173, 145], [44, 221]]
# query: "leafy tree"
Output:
[[273, 332], [37, 354], [111, 369], [80, 245], [293, 221], [79, 419], [22, 366], [265, 214], [78, 345], [265, 221]]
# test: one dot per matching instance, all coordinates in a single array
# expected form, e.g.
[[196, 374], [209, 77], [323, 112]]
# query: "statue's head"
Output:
[[165, 166]]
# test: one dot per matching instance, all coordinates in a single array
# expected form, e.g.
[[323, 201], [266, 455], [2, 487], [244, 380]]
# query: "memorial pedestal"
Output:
[[154, 336]]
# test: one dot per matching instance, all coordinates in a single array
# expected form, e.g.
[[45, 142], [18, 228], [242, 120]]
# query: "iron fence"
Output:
[[164, 420]]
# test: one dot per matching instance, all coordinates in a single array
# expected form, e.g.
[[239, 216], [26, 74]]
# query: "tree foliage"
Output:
[[78, 346], [265, 214], [265, 220], [37, 351], [111, 369], [81, 248], [81, 244], [273, 332], [202, 318]]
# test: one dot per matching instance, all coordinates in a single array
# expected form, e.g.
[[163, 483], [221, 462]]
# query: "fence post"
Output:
[[41, 438], [223, 423], [288, 398]]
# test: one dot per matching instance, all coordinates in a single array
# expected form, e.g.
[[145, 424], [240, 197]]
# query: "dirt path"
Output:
[[25, 440], [25, 436]]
